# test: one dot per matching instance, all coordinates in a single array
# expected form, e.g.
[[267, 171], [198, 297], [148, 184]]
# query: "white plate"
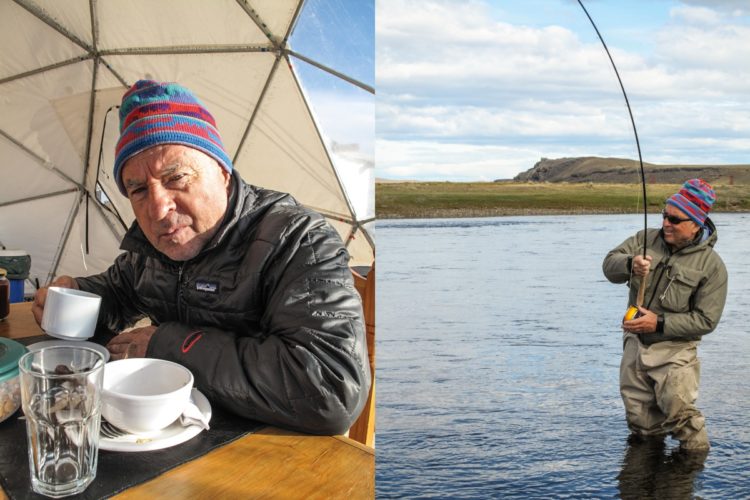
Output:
[[77, 343], [172, 435]]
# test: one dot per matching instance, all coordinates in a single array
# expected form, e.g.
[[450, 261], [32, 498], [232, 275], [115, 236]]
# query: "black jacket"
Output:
[[266, 316]]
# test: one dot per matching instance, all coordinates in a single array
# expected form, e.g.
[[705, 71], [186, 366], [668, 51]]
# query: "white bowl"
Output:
[[142, 395]]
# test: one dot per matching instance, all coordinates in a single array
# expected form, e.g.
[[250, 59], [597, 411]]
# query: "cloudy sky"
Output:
[[482, 89]]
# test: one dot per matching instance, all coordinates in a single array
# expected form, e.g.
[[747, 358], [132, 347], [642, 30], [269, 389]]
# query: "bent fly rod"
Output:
[[642, 288]]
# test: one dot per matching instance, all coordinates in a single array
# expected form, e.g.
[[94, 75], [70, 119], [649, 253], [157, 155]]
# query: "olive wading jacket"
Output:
[[687, 287], [266, 316]]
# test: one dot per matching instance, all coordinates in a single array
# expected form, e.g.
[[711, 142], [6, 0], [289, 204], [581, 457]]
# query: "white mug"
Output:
[[70, 314]]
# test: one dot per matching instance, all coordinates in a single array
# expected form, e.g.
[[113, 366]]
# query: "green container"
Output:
[[10, 388], [16, 262]]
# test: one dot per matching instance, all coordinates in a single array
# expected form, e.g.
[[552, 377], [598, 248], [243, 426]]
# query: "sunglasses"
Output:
[[673, 219]]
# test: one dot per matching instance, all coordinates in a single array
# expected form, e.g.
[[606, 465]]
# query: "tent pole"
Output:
[[114, 73], [110, 209], [252, 14], [42, 162], [367, 236], [103, 213], [352, 214], [353, 232], [331, 215], [42, 15], [256, 108], [186, 49], [94, 16], [332, 71], [90, 125], [293, 22], [66, 234], [44, 69], [89, 133], [38, 197], [359, 227], [338, 217]]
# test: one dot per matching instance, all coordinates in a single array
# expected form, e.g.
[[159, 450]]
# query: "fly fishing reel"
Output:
[[632, 313]]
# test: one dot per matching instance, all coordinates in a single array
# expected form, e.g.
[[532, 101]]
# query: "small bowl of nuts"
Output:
[[10, 388]]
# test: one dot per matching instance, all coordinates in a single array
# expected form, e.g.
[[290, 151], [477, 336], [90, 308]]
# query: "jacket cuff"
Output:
[[630, 264]]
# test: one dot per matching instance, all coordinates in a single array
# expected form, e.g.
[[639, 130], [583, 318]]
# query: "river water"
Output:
[[497, 364]]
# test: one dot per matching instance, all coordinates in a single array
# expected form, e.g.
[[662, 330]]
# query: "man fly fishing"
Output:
[[686, 288]]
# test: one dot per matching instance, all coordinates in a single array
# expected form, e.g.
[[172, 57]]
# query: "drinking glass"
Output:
[[61, 398]]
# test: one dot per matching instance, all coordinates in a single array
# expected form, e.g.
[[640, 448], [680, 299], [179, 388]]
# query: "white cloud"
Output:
[[488, 57], [423, 160], [530, 118], [734, 7], [723, 47], [696, 15], [468, 86], [346, 117]]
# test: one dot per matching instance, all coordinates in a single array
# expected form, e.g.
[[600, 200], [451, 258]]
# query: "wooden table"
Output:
[[271, 463]]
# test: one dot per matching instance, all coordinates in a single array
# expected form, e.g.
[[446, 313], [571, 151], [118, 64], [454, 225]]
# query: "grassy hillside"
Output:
[[481, 199]]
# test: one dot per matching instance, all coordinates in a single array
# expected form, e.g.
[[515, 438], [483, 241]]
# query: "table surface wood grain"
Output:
[[271, 463]]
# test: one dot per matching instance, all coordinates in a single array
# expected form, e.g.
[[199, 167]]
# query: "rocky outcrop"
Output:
[[618, 170]]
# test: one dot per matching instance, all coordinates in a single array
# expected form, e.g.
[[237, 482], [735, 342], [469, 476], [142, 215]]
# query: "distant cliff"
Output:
[[617, 170]]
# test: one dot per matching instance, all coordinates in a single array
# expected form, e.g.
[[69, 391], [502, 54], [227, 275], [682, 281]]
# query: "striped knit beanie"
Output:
[[154, 113], [695, 199]]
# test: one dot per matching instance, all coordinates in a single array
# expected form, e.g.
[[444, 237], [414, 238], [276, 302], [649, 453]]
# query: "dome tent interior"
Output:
[[65, 66]]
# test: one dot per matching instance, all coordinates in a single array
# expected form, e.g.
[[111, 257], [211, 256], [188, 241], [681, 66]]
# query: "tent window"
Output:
[[101, 196], [344, 112]]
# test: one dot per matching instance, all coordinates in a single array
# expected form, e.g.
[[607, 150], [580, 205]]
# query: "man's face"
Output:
[[680, 234], [179, 196]]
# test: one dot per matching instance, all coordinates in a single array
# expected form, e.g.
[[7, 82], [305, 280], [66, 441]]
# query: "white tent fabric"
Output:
[[63, 70]]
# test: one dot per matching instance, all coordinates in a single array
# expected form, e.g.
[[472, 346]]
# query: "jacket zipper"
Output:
[[180, 300]]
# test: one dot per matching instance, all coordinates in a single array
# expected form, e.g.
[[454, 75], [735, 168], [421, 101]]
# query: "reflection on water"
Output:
[[649, 470], [498, 355]]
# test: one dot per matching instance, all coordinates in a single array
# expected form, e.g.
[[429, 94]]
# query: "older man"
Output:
[[685, 295], [244, 286]]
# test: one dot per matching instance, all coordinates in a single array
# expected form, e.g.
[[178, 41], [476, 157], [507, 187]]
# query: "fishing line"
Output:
[[632, 311], [635, 131]]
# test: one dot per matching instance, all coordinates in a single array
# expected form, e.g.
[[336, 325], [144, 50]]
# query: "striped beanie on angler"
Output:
[[695, 199], [154, 113]]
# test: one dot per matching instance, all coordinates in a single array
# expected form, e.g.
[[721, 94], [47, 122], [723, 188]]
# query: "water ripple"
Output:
[[498, 359]]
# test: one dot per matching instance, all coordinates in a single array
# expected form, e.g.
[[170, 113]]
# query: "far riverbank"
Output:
[[399, 200]]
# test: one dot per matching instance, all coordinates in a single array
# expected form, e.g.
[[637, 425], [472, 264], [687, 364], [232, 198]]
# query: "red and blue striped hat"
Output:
[[154, 113], [695, 199]]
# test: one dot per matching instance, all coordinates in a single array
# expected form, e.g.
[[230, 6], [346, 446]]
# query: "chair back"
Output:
[[363, 429]]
